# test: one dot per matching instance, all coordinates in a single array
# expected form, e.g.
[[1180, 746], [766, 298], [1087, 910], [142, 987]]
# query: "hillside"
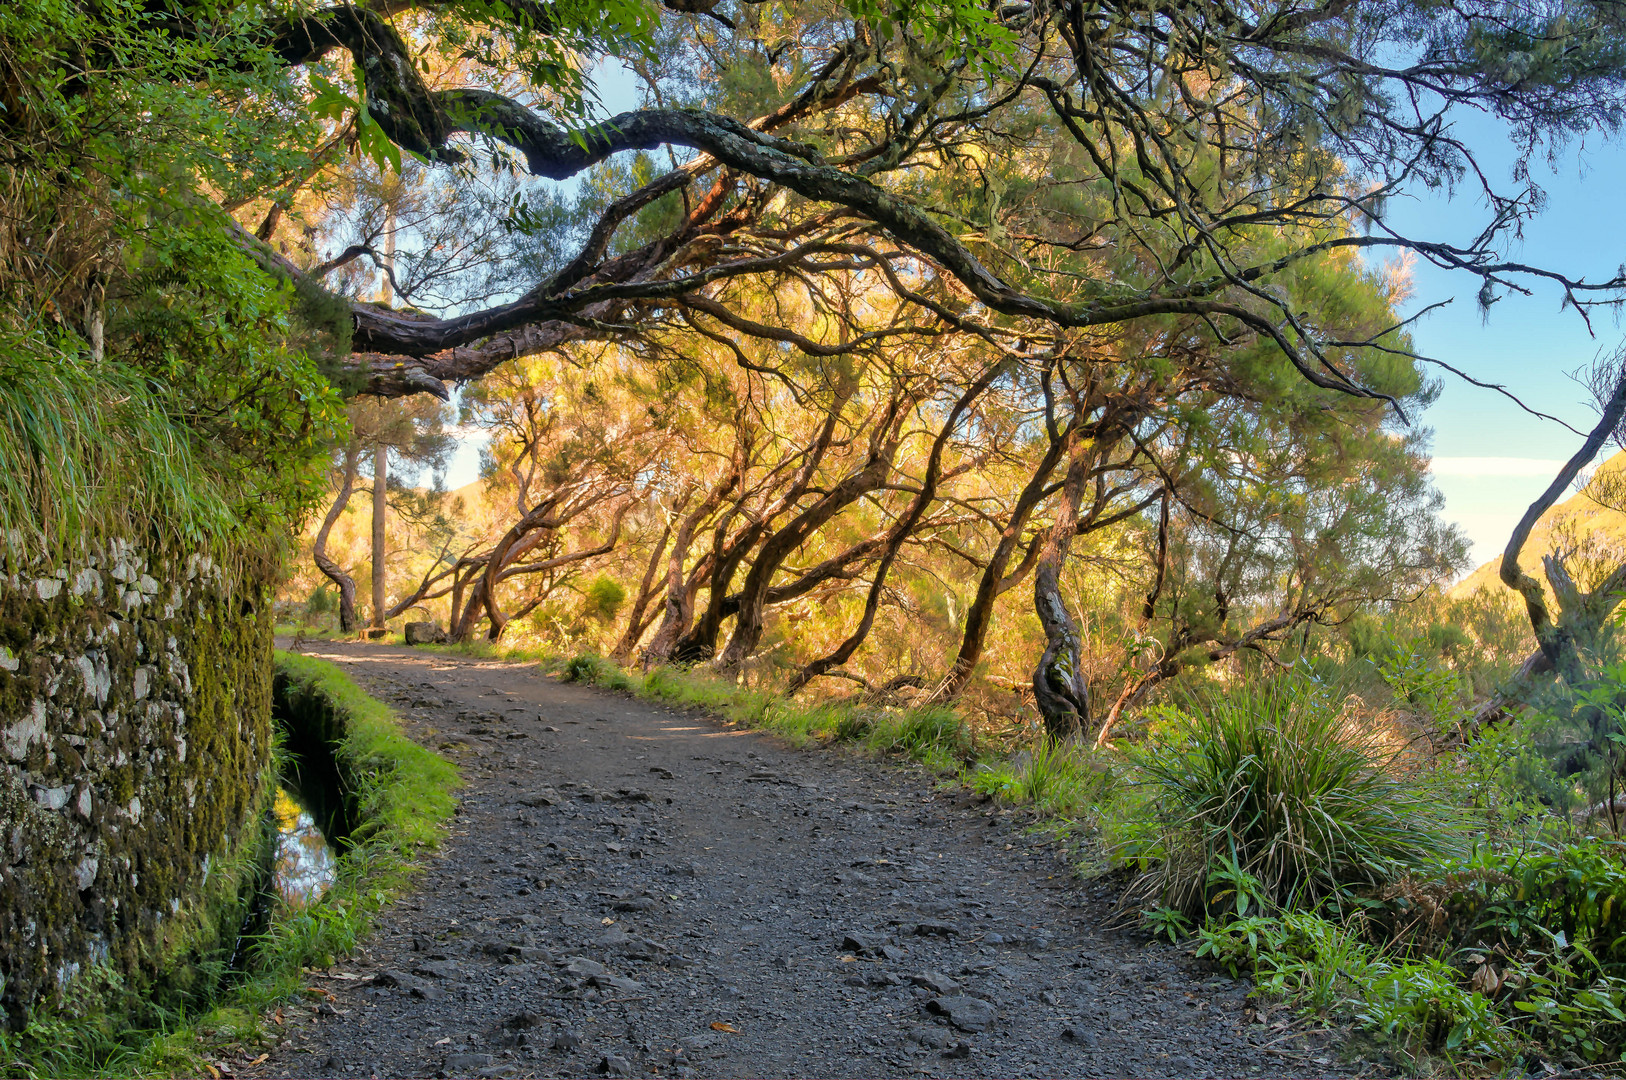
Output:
[[1577, 518]]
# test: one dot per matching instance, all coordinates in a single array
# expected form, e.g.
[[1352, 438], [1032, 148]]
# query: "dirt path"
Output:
[[634, 890]]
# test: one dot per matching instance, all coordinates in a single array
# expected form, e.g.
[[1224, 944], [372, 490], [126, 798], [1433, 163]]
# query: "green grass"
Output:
[[78, 439], [934, 735], [1058, 780], [404, 798]]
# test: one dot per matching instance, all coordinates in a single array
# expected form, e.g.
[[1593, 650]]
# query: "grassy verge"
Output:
[[1063, 786], [402, 796]]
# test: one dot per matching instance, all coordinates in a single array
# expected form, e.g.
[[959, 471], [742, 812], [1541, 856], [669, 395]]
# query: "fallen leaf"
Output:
[[607, 922], [443, 1042], [257, 1061], [719, 1025], [277, 1016]]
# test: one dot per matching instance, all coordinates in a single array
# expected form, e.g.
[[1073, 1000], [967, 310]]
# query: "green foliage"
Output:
[[1166, 922], [208, 396], [1270, 783], [1574, 894], [919, 732], [1432, 691], [1504, 777], [1485, 958], [595, 669], [1424, 1006], [78, 439], [603, 597]]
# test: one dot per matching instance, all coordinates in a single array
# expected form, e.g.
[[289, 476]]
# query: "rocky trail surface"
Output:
[[631, 889]]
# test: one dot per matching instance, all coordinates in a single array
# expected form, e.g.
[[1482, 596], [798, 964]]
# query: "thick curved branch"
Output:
[[1514, 576]]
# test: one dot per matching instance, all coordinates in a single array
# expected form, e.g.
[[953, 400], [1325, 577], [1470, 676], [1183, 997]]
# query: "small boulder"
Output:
[[965, 1013], [615, 1065], [425, 633], [936, 982], [465, 1064]]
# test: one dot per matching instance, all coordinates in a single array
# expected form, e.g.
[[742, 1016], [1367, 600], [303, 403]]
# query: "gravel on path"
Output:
[[634, 890]]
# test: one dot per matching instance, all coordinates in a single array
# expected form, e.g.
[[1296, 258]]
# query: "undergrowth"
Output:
[[1271, 835], [403, 794], [1270, 796]]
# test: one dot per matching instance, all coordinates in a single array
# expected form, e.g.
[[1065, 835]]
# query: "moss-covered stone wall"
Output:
[[135, 765]]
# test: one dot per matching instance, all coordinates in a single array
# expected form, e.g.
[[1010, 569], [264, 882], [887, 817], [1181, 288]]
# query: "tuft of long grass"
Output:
[[1058, 779], [1267, 796], [78, 440]]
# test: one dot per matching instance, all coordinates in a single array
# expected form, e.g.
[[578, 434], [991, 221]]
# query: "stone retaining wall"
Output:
[[135, 763]]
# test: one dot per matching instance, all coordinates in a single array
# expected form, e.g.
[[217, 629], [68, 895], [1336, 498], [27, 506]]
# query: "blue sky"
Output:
[[1491, 458]]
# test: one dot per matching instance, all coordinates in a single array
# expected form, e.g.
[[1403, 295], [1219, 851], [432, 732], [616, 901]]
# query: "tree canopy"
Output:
[[855, 284]]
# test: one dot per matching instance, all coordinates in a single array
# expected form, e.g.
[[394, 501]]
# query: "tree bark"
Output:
[[381, 457], [1059, 687], [1555, 636], [334, 572], [636, 622], [678, 609], [994, 581]]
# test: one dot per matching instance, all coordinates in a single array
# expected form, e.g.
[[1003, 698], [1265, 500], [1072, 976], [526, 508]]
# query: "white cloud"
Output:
[[1495, 466]]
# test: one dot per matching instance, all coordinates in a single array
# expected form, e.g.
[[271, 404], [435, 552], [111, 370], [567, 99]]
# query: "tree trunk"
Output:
[[1059, 688], [894, 538], [381, 458], [748, 620], [636, 623], [1556, 638], [468, 600], [700, 641], [334, 572], [515, 552], [501, 554], [680, 592], [980, 616]]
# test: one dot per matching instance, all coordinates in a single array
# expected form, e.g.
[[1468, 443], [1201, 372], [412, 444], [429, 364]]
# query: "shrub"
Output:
[[1423, 1006], [1573, 893], [597, 671], [1269, 794], [603, 597]]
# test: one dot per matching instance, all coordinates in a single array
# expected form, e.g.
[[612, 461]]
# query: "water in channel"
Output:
[[303, 866]]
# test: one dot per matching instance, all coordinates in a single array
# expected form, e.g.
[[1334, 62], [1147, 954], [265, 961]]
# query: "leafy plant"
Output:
[[1238, 945], [1166, 922], [1423, 1005], [1432, 690]]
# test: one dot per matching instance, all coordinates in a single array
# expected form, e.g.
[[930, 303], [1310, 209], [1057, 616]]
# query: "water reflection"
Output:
[[303, 867]]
